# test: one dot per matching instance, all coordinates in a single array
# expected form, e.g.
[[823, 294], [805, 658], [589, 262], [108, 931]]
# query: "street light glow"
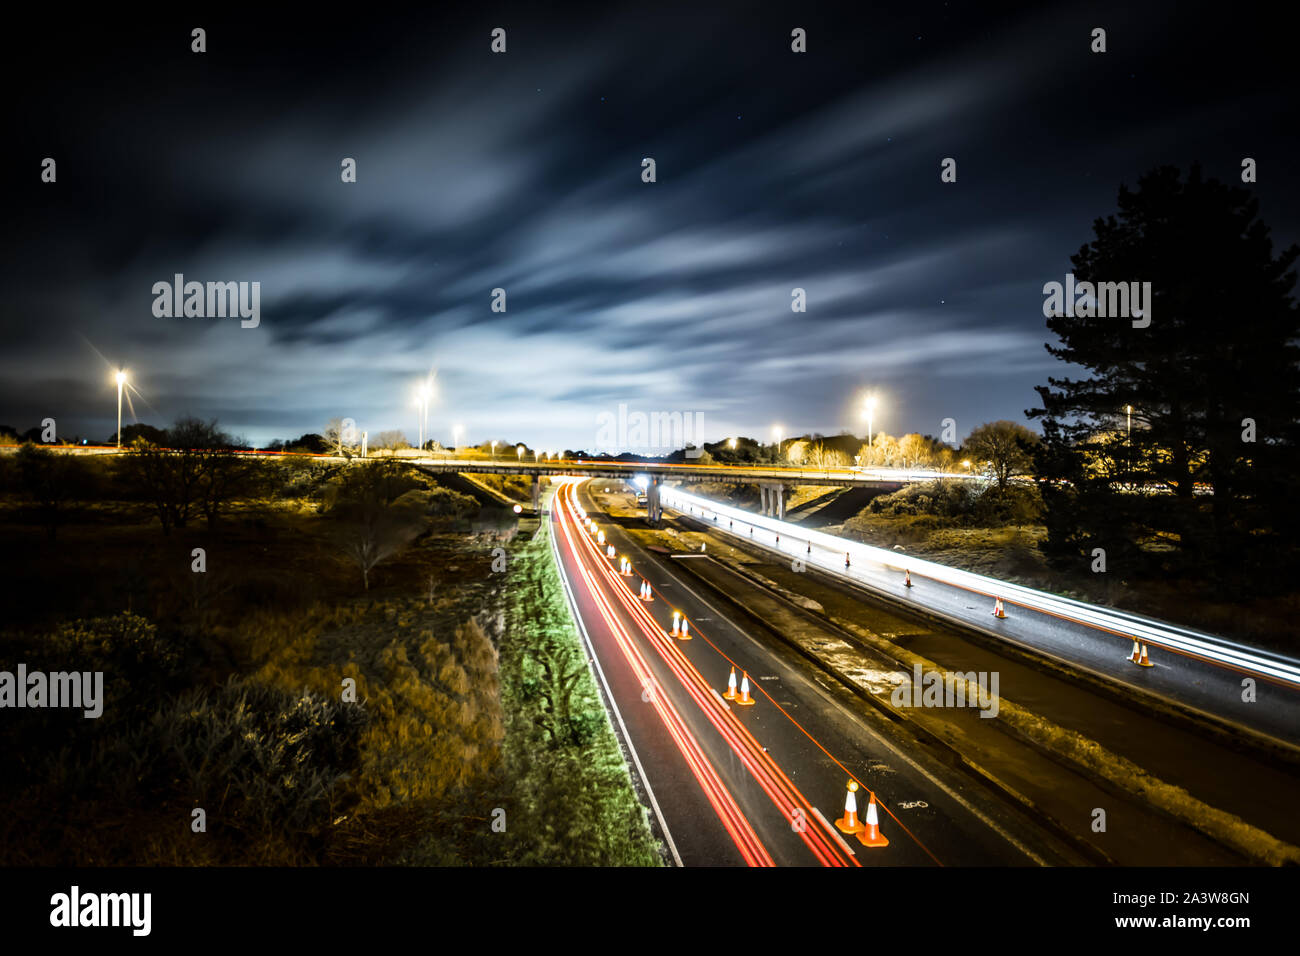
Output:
[[868, 412], [121, 382]]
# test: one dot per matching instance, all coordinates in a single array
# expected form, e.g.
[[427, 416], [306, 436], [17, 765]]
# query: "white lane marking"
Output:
[[719, 697], [991, 824], [609, 696], [833, 832]]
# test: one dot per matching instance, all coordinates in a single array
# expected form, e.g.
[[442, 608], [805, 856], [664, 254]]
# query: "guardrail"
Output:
[[1157, 633]]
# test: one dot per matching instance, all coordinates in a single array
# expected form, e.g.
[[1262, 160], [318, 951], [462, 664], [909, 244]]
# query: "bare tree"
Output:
[[372, 526], [390, 441], [1005, 446], [915, 450]]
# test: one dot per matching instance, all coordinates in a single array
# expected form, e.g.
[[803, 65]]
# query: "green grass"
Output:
[[573, 800]]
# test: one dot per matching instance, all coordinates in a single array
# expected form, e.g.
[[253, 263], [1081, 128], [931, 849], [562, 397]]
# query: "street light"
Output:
[[777, 434], [121, 380], [519, 452], [1128, 411], [455, 437], [868, 410], [494, 449]]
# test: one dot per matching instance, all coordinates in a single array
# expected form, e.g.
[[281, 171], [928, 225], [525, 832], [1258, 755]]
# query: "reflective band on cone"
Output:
[[870, 834], [849, 822]]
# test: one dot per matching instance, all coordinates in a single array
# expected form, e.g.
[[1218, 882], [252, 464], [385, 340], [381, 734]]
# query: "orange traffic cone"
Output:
[[849, 823], [1136, 655], [1145, 661], [730, 692], [677, 623], [685, 635], [870, 834], [744, 699], [907, 577], [997, 608]]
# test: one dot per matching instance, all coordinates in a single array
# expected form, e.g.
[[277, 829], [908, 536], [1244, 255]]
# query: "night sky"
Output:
[[775, 170]]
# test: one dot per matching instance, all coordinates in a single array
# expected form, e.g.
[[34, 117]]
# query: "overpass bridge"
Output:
[[771, 479]]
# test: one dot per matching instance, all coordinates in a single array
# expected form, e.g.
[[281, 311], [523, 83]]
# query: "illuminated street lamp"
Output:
[[121, 381], [455, 437], [731, 443], [777, 434], [1128, 412], [494, 449], [519, 452], [868, 411]]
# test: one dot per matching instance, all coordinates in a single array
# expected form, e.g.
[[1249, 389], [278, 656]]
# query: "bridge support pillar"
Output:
[[772, 500], [653, 509]]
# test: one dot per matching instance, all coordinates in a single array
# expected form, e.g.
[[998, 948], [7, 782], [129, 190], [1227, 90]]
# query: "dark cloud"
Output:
[[522, 172]]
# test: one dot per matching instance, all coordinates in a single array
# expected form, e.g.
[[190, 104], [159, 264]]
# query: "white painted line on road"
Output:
[[720, 698], [834, 832], [609, 696]]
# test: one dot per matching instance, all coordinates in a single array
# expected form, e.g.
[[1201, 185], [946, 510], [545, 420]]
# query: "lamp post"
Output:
[[776, 436], [455, 437], [494, 449], [1128, 413], [868, 412], [121, 381]]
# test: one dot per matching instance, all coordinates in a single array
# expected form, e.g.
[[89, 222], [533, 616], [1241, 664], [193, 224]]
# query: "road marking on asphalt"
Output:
[[834, 832]]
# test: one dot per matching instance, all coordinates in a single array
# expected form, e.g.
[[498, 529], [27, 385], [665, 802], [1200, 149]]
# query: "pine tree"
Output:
[[1219, 353]]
